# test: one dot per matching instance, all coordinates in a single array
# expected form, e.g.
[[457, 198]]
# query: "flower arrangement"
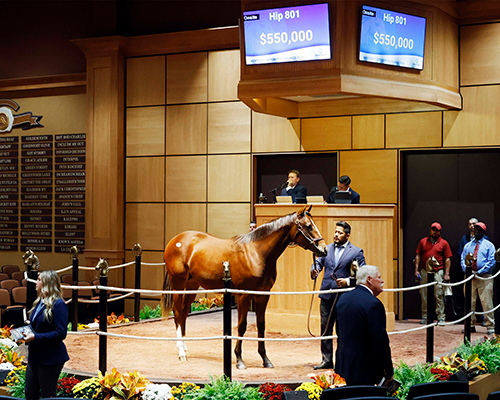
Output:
[[206, 303], [157, 392], [65, 386], [185, 388], [9, 355], [127, 386], [15, 381], [328, 380], [222, 388], [79, 326], [114, 320], [273, 391], [5, 331], [88, 389], [313, 390]]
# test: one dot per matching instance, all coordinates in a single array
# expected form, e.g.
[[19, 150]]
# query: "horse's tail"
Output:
[[167, 303]]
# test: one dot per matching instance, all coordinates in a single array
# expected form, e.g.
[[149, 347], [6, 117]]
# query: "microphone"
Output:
[[284, 185], [334, 189]]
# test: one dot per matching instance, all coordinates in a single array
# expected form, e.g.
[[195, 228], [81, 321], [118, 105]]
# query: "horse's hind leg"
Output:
[[243, 306], [180, 324], [260, 310], [186, 307]]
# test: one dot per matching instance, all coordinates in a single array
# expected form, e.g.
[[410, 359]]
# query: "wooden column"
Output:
[[104, 233]]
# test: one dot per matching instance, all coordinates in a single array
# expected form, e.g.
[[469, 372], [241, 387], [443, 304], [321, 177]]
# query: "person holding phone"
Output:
[[46, 350], [337, 267]]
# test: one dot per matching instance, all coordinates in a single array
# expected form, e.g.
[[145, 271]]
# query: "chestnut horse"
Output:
[[194, 259]]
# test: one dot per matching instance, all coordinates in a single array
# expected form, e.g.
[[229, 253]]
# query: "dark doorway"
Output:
[[449, 187], [318, 173]]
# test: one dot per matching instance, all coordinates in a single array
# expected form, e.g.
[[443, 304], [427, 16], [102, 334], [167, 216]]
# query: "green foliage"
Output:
[[16, 381], [221, 388], [148, 312], [411, 375], [487, 351]]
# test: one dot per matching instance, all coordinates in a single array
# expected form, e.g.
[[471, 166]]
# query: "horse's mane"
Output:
[[265, 230]]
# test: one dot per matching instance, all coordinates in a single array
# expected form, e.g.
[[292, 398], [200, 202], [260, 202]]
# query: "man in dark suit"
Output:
[[363, 354], [344, 182], [294, 189], [337, 272]]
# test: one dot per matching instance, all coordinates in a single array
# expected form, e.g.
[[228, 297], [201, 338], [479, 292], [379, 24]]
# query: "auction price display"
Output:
[[392, 38], [288, 34]]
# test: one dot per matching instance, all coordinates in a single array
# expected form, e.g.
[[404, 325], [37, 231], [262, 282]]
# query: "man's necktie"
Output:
[[473, 264]]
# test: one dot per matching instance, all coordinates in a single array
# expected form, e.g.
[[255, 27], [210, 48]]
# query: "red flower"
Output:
[[273, 391], [65, 386]]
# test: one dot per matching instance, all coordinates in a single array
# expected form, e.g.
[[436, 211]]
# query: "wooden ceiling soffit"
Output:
[[343, 95], [56, 85]]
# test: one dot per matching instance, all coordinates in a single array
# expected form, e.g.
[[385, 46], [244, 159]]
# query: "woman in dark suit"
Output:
[[47, 352]]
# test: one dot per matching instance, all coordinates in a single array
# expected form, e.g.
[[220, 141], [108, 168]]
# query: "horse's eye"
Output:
[[309, 227]]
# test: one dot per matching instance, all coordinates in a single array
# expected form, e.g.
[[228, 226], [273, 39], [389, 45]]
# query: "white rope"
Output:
[[82, 332], [110, 299], [487, 312], [486, 279], [412, 330], [64, 269], [189, 339], [145, 263]]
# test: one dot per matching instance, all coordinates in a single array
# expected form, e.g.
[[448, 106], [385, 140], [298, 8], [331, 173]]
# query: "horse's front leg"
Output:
[[260, 310], [243, 306]]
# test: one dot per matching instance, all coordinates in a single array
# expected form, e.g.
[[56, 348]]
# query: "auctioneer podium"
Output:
[[372, 230]]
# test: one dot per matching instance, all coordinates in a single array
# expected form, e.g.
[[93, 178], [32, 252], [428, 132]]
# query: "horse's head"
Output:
[[431, 264], [307, 234]]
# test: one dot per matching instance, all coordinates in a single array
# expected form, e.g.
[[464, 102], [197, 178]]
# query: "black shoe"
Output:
[[324, 365], [472, 329]]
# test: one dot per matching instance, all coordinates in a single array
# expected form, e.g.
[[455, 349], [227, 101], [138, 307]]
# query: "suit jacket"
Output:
[[298, 191], [363, 351], [343, 268], [48, 348], [355, 197]]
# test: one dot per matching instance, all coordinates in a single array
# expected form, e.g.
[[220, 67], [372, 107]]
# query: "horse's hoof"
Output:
[[268, 364], [183, 358], [240, 365]]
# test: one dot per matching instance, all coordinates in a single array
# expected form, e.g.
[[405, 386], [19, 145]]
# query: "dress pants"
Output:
[[485, 291], [327, 330], [41, 378], [438, 294]]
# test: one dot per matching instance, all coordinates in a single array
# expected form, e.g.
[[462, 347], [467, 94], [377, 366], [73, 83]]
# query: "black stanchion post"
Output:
[[430, 318], [102, 266], [227, 320], [32, 264], [74, 292], [137, 250], [467, 304]]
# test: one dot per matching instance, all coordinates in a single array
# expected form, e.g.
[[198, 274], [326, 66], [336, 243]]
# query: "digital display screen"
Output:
[[288, 34], [392, 38]]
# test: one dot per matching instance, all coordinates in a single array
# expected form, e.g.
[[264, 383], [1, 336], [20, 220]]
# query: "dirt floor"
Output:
[[293, 361]]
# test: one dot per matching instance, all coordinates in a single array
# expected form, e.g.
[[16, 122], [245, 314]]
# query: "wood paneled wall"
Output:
[[189, 141]]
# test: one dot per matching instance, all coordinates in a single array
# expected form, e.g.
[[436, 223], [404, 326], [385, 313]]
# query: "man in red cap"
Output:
[[482, 263], [433, 246]]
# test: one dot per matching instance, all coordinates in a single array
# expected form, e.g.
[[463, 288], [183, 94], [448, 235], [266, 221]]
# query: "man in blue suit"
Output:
[[337, 272], [363, 354], [344, 186], [294, 189]]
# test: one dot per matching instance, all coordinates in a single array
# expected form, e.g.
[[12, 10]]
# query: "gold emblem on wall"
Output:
[[9, 121]]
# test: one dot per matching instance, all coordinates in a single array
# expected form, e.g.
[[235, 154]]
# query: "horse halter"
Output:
[[305, 234]]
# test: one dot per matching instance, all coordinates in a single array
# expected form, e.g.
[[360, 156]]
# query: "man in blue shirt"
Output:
[[482, 263]]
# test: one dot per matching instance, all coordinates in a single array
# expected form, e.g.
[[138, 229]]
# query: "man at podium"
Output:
[[343, 194], [294, 189]]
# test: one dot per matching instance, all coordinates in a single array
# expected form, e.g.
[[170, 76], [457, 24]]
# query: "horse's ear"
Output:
[[302, 212], [309, 209]]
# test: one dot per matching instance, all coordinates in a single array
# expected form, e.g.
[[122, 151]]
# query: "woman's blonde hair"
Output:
[[50, 293]]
